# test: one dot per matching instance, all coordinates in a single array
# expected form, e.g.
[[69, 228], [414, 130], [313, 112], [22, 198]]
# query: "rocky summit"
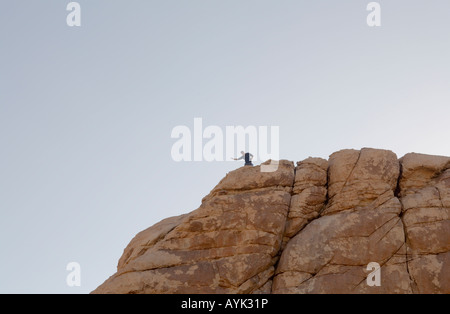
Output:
[[310, 228]]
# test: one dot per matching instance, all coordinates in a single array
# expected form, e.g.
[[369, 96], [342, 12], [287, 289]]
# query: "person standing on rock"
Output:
[[247, 157]]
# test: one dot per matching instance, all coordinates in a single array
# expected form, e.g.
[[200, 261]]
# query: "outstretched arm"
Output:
[[242, 157]]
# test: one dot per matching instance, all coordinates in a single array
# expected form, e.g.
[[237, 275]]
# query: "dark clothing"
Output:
[[247, 157]]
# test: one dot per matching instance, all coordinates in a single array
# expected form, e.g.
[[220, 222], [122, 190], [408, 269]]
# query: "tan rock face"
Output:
[[228, 245], [360, 225], [309, 194], [425, 187], [309, 229]]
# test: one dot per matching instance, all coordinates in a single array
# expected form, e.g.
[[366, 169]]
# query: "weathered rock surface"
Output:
[[360, 224], [308, 196], [229, 245], [425, 191], [309, 229]]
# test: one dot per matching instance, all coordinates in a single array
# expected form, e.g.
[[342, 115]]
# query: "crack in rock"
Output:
[[312, 228]]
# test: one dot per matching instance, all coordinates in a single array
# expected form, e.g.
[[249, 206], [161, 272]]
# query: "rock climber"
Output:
[[247, 157]]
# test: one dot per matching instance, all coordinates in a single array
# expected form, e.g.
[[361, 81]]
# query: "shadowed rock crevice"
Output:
[[312, 228], [412, 282]]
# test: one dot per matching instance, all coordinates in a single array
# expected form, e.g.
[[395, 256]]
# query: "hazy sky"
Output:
[[86, 113]]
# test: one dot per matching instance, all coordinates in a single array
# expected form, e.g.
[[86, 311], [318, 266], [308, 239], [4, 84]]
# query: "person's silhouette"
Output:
[[247, 157]]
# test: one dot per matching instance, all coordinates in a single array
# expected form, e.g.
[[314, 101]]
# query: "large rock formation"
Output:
[[313, 228]]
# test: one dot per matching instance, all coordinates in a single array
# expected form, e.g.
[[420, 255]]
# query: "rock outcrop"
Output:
[[313, 228]]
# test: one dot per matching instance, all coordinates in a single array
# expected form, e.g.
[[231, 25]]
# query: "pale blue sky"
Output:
[[86, 113]]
